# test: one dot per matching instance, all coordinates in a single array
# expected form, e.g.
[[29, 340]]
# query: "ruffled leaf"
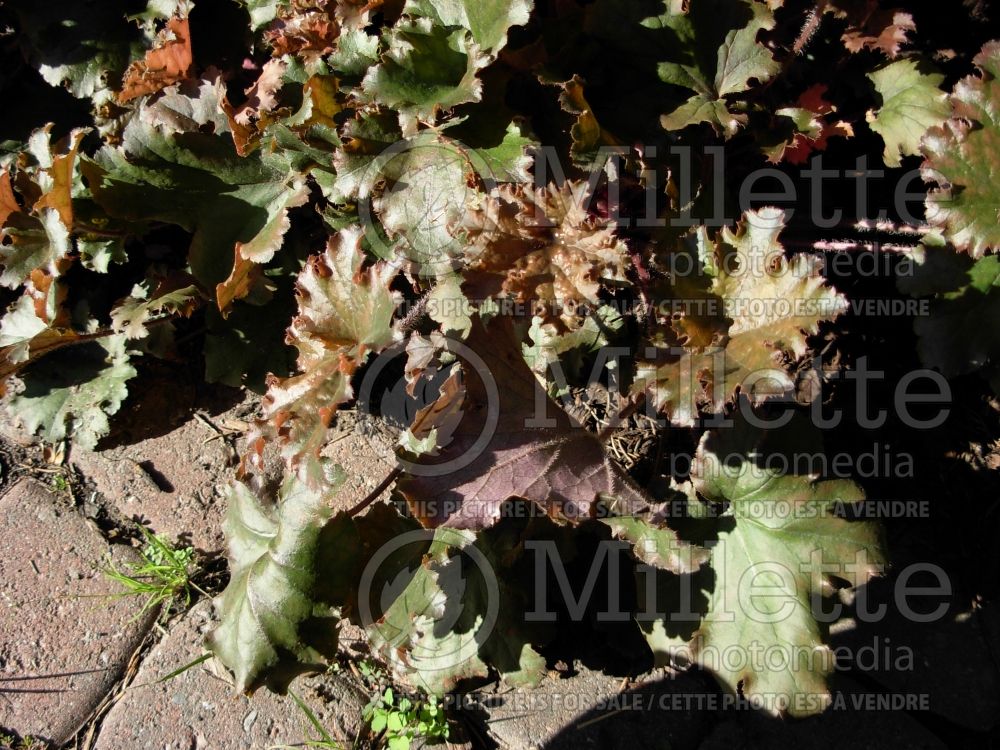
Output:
[[718, 57], [779, 529], [542, 248], [912, 103], [344, 314], [759, 308], [75, 394], [426, 69], [962, 160], [273, 624]]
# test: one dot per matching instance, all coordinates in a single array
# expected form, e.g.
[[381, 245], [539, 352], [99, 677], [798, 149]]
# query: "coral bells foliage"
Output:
[[541, 245], [488, 196]]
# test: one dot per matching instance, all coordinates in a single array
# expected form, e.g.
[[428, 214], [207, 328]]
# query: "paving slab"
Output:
[[172, 480], [199, 709], [63, 643], [591, 710]]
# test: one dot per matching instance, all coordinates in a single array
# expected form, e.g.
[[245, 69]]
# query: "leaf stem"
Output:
[[377, 492], [85, 229]]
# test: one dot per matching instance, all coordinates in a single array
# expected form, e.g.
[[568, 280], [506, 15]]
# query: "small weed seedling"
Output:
[[163, 575], [9, 742], [400, 722]]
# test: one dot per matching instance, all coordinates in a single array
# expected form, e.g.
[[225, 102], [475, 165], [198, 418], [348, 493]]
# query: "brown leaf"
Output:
[[8, 202], [310, 28], [559, 466], [245, 137], [263, 95], [542, 248], [168, 62], [322, 92], [586, 132], [245, 276], [885, 30], [819, 130], [872, 27], [59, 196], [249, 122], [49, 301]]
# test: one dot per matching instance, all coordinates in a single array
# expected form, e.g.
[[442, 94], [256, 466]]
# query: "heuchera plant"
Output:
[[494, 191]]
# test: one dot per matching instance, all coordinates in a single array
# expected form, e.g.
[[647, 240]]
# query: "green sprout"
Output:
[[163, 574], [401, 721]]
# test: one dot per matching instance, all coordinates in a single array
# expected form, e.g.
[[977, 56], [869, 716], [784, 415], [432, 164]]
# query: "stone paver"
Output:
[[174, 482], [589, 710], [62, 643], [198, 709]]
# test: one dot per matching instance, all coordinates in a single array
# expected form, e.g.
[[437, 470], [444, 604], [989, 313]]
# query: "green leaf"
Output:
[[196, 181], [131, 315], [188, 106], [76, 392], [19, 325], [32, 243], [717, 57], [426, 183], [448, 307], [418, 643], [779, 548], [247, 347], [31, 328], [356, 52], [571, 348], [912, 103], [456, 616], [83, 46], [761, 308], [427, 187], [426, 69], [272, 626], [962, 160], [654, 543], [262, 12], [98, 255], [488, 20], [358, 160], [509, 160], [345, 313]]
